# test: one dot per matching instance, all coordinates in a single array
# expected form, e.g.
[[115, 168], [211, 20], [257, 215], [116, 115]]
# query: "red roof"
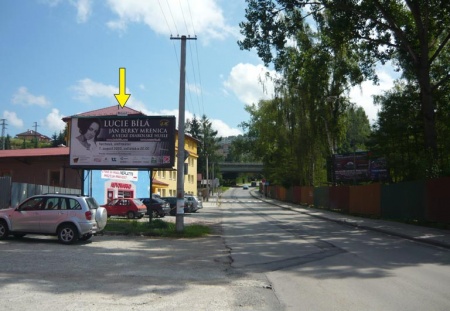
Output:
[[108, 111], [37, 152]]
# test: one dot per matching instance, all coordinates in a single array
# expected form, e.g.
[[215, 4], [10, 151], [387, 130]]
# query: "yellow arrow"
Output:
[[122, 97]]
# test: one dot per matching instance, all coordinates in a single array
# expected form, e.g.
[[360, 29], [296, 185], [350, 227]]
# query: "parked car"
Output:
[[173, 205], [129, 207], [195, 203], [157, 207], [69, 217], [245, 187]]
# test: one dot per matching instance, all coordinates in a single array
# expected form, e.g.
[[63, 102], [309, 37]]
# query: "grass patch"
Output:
[[157, 227]]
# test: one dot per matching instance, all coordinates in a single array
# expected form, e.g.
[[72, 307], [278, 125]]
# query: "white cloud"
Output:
[[54, 121], [202, 17], [25, 98], [86, 89], [250, 83], [138, 105], [84, 9], [194, 88], [223, 129], [12, 119], [363, 95], [51, 3]]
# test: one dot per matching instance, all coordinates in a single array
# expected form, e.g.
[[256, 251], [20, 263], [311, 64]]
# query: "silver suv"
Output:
[[70, 217], [194, 203]]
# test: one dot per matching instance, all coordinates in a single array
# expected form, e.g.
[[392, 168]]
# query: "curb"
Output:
[[297, 208]]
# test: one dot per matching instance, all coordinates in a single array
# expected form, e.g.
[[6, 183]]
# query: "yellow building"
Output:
[[165, 181]]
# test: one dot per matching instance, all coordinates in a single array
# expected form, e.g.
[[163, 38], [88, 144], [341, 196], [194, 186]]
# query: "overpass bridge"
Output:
[[233, 167]]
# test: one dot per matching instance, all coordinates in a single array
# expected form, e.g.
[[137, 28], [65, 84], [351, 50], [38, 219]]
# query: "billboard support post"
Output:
[[149, 211]]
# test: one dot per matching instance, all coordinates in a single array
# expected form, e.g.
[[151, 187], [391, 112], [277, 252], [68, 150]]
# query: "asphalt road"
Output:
[[315, 264], [260, 257]]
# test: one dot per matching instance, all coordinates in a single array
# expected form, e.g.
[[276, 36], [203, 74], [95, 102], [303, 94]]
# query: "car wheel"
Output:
[[155, 214], [86, 237], [130, 215], [4, 231], [67, 234]]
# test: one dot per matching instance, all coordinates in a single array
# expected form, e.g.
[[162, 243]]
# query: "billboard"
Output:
[[358, 167], [123, 142]]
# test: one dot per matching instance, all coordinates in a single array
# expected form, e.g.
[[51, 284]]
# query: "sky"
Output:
[[62, 57]]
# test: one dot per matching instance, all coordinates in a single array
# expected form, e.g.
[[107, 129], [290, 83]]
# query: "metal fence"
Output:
[[422, 201], [12, 193], [5, 192]]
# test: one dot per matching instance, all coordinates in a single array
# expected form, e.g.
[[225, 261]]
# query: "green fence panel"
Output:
[[290, 194], [322, 197], [438, 200], [403, 201]]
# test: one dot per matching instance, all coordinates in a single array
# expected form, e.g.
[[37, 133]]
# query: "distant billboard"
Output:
[[358, 167], [123, 142]]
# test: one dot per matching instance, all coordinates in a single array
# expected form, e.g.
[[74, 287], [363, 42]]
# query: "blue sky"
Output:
[[62, 57]]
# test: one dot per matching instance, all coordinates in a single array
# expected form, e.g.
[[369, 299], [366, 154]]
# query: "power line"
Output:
[[202, 110], [197, 85]]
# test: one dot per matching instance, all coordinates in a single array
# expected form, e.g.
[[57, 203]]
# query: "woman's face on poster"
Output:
[[92, 131]]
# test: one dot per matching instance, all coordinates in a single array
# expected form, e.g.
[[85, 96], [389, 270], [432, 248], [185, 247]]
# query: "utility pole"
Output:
[[179, 222], [4, 124]]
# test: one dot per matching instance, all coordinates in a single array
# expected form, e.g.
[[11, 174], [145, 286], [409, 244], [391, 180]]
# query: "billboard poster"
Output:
[[123, 142], [358, 167], [120, 175]]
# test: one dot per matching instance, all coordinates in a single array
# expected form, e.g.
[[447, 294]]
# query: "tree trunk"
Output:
[[427, 106]]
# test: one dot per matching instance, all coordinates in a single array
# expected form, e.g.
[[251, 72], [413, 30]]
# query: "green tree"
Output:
[[397, 135], [357, 130], [414, 34], [59, 139], [5, 142], [310, 109], [8, 142], [208, 144], [241, 150]]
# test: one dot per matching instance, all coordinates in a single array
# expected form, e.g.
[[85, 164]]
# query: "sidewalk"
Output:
[[436, 237]]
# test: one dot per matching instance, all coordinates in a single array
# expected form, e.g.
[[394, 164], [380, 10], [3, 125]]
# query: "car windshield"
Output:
[[137, 202], [92, 203]]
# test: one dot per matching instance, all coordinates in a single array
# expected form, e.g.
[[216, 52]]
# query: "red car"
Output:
[[131, 208]]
